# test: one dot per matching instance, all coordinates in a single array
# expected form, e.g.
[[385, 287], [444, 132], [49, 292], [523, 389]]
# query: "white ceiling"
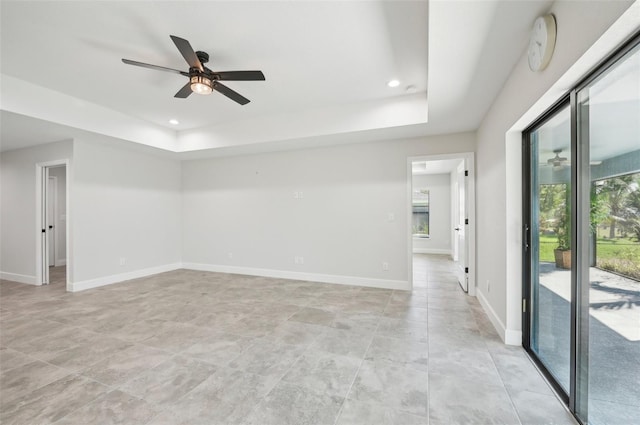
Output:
[[326, 65]]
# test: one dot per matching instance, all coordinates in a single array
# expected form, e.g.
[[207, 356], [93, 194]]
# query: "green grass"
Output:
[[547, 245], [620, 255]]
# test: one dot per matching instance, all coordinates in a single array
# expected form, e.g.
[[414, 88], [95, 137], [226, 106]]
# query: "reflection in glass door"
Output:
[[550, 263]]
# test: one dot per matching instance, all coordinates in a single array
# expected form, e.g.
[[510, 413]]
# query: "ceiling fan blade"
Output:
[[184, 92], [231, 94], [187, 52], [240, 75], [156, 67]]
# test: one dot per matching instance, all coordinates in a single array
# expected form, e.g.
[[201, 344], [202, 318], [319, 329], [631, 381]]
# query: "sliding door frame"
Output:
[[526, 250]]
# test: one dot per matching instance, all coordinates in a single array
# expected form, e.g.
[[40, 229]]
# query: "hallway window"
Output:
[[420, 209]]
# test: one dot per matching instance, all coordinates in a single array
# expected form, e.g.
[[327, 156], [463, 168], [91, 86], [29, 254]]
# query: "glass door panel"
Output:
[[550, 247], [609, 131]]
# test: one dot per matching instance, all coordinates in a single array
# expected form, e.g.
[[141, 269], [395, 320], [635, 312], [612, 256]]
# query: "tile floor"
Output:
[[189, 347]]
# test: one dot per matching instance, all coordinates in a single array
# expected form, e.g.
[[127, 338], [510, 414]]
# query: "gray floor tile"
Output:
[[409, 353], [471, 366], [407, 312], [175, 336], [517, 371], [226, 397], [10, 358], [458, 401], [343, 342], [324, 373], [295, 333], [170, 380], [392, 385], [125, 365], [115, 407], [362, 323], [540, 409], [21, 380], [52, 402], [314, 316], [61, 339], [90, 352], [267, 358], [219, 349], [360, 413], [398, 328], [288, 404]]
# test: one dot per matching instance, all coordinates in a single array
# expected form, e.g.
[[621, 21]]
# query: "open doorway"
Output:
[[441, 230], [51, 223]]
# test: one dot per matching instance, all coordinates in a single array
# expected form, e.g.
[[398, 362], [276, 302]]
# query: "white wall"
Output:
[[580, 24], [245, 206], [60, 223], [126, 205], [439, 241], [18, 207]]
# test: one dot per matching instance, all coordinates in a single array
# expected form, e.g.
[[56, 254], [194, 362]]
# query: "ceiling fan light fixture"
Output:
[[200, 84]]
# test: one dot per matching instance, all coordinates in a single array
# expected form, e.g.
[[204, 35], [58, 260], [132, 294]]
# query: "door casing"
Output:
[[469, 162]]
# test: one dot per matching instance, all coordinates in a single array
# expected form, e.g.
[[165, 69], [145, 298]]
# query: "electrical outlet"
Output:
[[123, 261], [296, 195], [391, 217], [230, 255], [298, 260], [385, 266]]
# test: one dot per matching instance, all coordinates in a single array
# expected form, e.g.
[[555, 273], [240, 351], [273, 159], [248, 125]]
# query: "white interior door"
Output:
[[44, 243], [455, 216], [460, 246], [51, 219]]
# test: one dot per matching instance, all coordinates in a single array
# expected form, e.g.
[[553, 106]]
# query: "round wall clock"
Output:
[[542, 42]]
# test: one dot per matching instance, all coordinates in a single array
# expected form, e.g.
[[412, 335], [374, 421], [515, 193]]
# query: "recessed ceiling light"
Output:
[[393, 83], [174, 122]]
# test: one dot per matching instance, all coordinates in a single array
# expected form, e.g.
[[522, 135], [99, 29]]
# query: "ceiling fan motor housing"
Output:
[[203, 56]]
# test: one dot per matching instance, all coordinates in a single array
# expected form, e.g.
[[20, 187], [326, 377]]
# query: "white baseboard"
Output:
[[108, 280], [312, 277], [512, 337], [431, 251], [62, 262], [509, 336], [21, 278]]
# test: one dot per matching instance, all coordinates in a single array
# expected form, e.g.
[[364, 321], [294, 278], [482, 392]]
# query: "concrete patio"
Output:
[[614, 340]]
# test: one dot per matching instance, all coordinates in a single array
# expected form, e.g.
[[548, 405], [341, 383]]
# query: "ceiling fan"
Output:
[[559, 162], [202, 80]]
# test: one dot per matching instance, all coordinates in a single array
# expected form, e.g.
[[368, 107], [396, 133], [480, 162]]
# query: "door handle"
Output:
[[50, 227], [526, 237], [457, 229]]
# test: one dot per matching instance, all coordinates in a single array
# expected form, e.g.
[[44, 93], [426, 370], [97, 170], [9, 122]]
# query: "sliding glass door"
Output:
[[582, 243], [608, 117], [550, 194]]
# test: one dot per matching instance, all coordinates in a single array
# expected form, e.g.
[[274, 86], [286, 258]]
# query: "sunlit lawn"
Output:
[[623, 250]]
